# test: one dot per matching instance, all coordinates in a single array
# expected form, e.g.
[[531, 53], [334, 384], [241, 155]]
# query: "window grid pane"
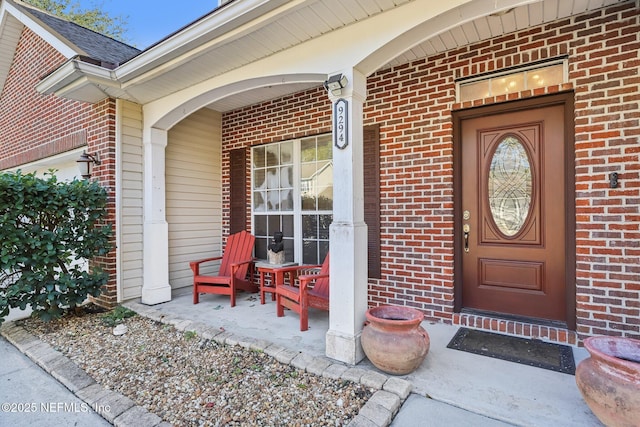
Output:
[[273, 178], [293, 184], [264, 228]]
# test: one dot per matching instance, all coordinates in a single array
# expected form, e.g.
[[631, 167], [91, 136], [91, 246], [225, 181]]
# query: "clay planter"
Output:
[[393, 339], [609, 380]]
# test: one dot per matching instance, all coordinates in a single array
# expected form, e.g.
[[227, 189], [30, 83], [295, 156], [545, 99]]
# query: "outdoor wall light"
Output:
[[84, 163], [335, 84]]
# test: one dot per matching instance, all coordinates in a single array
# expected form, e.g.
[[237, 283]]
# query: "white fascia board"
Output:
[[221, 26], [3, 13], [155, 59], [75, 74], [46, 34]]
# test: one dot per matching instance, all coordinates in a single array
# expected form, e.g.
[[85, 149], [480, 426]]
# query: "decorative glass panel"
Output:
[[475, 90], [509, 189], [507, 84], [545, 76], [512, 81]]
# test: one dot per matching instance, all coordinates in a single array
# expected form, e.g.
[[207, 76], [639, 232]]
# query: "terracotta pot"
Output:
[[609, 380], [393, 339]]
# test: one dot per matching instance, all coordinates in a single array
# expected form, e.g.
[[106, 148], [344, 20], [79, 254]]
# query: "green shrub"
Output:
[[48, 232]]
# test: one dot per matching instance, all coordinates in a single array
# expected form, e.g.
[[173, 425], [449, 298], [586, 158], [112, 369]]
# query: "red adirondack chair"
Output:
[[312, 292], [236, 261]]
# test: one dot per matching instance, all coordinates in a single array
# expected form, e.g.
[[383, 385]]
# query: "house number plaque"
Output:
[[341, 124]]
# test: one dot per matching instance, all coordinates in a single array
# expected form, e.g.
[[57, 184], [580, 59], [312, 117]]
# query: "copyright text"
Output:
[[52, 407]]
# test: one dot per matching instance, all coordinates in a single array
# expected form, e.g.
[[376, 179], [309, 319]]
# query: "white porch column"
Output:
[[348, 232], [155, 285]]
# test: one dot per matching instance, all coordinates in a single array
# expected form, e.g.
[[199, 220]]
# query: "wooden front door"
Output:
[[512, 218]]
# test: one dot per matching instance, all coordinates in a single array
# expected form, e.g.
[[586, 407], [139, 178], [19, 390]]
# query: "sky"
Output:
[[150, 21]]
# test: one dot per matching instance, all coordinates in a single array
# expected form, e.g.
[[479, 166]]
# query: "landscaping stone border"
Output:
[[379, 410]]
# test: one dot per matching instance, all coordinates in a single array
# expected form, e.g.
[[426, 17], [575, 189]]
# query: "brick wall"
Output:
[[101, 137], [295, 116], [35, 126], [413, 105], [605, 71]]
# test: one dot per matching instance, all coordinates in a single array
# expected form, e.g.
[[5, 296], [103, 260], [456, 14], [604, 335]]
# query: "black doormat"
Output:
[[555, 357]]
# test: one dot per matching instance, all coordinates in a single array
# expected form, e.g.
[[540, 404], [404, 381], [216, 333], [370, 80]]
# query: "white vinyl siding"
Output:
[[130, 226], [193, 193]]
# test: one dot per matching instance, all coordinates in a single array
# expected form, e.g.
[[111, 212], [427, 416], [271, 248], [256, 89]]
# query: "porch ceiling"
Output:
[[308, 20], [243, 32], [296, 22], [493, 25]]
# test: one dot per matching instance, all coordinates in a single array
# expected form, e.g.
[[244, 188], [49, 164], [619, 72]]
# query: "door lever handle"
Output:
[[465, 231]]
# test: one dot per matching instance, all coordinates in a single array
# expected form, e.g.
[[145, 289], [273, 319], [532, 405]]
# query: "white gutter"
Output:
[[72, 71], [220, 26]]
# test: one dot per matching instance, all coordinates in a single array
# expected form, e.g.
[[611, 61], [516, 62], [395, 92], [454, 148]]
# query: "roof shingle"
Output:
[[95, 45]]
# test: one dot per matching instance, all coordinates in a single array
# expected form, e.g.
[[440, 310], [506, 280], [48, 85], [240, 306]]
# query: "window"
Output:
[[292, 192], [540, 75]]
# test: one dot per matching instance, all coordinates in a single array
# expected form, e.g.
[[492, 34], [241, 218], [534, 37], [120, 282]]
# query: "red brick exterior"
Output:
[[35, 126], [293, 116], [413, 105]]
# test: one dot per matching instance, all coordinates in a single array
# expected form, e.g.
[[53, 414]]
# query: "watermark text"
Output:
[[52, 407]]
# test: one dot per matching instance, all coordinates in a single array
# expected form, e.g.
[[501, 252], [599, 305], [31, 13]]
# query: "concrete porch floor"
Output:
[[451, 388]]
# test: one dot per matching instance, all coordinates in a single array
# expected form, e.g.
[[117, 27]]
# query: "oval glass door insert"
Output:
[[509, 186]]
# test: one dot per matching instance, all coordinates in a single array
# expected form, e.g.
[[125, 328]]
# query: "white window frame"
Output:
[[297, 212]]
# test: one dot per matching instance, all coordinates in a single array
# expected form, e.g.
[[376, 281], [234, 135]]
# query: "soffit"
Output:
[[10, 34], [292, 23], [487, 27], [456, 36], [304, 21]]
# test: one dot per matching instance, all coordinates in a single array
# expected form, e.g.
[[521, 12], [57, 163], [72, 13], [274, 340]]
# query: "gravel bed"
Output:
[[190, 381]]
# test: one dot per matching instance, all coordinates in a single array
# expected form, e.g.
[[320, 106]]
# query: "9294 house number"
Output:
[[341, 124]]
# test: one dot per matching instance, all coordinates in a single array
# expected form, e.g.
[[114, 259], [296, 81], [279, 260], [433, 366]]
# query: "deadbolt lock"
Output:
[[466, 215]]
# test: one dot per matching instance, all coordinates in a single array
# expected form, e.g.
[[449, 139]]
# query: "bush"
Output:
[[48, 232]]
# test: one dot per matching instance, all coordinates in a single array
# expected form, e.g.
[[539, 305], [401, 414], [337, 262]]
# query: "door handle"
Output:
[[465, 234]]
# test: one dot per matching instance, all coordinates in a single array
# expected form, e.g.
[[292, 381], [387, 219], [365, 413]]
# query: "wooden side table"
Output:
[[277, 277]]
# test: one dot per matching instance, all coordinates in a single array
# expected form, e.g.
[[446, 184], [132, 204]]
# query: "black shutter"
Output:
[[238, 190], [372, 197]]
